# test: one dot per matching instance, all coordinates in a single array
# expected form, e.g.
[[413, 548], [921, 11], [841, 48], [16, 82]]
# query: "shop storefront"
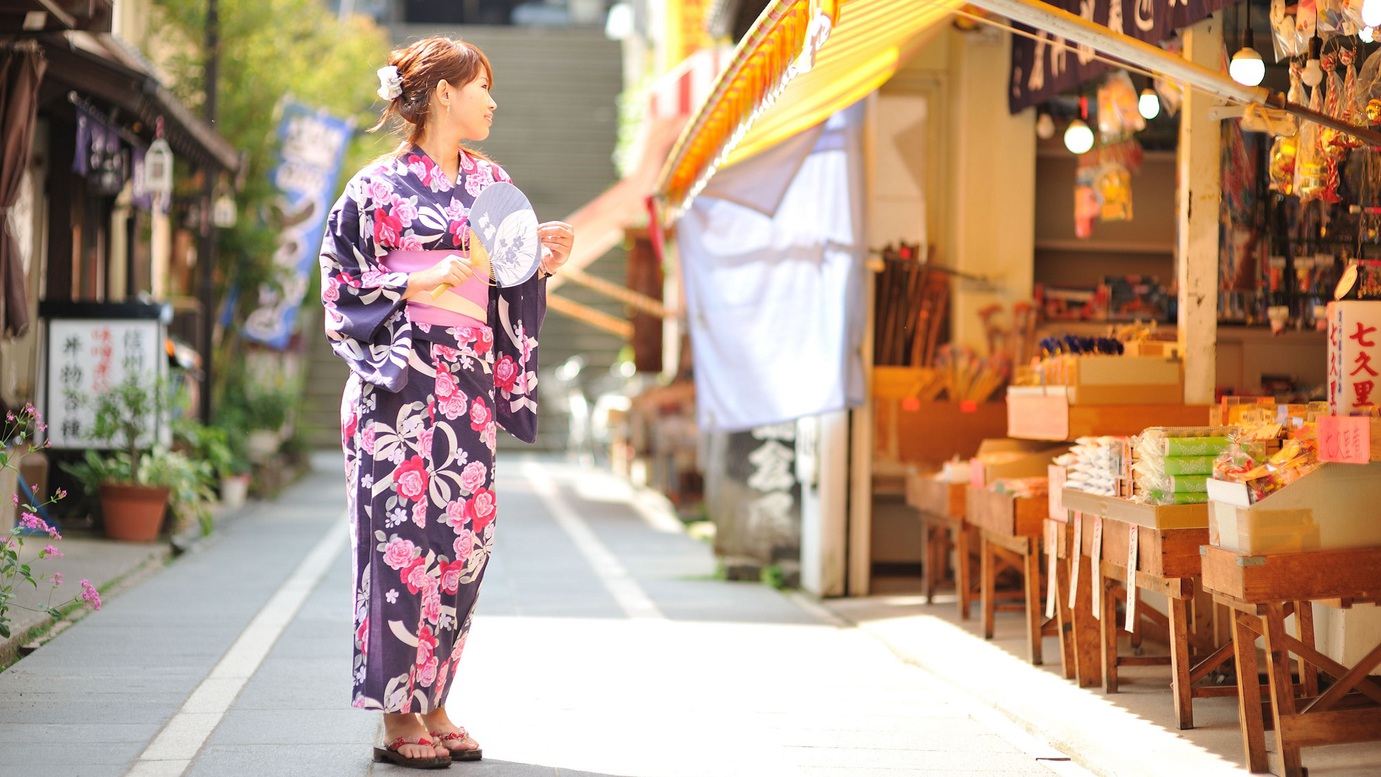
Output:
[[1081, 495], [92, 137]]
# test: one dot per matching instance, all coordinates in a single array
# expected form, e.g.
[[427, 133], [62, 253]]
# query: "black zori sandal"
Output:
[[391, 755], [460, 754]]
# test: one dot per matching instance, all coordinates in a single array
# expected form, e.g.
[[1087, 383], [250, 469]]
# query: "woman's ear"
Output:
[[443, 91]]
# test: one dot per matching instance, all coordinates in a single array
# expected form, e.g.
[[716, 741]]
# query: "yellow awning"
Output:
[[863, 43]]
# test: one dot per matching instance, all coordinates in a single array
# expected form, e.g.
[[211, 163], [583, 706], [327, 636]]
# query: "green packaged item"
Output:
[[1195, 446], [1189, 465], [1164, 498], [1189, 484]]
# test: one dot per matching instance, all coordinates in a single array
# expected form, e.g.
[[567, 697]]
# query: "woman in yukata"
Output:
[[431, 378]]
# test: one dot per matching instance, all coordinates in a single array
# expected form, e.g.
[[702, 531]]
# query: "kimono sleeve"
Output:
[[365, 322], [519, 312]]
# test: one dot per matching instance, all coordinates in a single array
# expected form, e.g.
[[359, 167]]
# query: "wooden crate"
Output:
[[1035, 413], [928, 434], [1006, 514], [1160, 552], [1150, 516], [936, 497], [1353, 574]]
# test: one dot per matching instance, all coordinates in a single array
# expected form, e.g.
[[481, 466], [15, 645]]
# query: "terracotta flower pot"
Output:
[[133, 513]]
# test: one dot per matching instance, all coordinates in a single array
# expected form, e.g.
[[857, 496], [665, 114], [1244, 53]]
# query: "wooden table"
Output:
[[1010, 528], [1262, 591], [1167, 540], [942, 507]]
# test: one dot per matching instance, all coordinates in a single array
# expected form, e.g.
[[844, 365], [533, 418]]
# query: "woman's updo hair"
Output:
[[421, 66]]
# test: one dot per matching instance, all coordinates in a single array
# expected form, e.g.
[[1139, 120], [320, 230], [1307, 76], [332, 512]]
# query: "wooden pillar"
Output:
[[1198, 195]]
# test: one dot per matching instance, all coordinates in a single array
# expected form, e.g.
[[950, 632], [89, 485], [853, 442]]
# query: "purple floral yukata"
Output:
[[418, 424]]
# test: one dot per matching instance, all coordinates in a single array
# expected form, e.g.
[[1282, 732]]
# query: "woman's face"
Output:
[[472, 109]]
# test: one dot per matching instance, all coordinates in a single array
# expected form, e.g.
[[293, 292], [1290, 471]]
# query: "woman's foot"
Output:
[[454, 739], [407, 742]]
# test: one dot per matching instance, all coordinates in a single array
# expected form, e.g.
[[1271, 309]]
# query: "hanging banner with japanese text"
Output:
[[312, 145], [1354, 357], [1045, 66]]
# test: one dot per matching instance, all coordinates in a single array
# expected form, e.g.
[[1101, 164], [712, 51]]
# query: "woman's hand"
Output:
[[451, 271], [557, 238]]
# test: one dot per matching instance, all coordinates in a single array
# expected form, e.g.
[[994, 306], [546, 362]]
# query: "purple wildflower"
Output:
[[56, 579], [51, 552]]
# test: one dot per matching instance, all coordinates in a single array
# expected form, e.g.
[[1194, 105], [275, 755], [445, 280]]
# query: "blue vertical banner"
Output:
[[311, 146]]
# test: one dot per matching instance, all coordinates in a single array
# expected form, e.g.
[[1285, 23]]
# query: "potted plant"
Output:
[[135, 485], [256, 416], [227, 461]]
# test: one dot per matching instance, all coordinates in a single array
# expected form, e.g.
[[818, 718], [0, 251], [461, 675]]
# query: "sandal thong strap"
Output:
[[453, 735], [400, 741]]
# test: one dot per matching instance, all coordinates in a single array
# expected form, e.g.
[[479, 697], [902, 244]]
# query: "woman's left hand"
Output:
[[557, 238]]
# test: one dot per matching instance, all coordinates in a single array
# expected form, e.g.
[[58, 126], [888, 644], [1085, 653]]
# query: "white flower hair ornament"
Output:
[[390, 85]]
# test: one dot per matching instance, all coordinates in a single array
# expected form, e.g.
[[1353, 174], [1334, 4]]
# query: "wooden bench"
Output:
[[1263, 590], [942, 507], [1010, 528]]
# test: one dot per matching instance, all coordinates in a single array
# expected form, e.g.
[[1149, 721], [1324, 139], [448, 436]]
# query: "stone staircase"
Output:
[[554, 132]]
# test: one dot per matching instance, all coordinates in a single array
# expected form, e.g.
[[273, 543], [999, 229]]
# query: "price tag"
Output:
[[1131, 577], [1345, 438], [1095, 565], [1075, 559], [1052, 553]]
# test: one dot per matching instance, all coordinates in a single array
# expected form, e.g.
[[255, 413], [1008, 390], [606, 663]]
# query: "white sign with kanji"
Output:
[[89, 356], [1354, 357]]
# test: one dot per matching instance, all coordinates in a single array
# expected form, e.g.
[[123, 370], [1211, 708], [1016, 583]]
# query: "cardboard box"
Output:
[[1032, 459], [1331, 508]]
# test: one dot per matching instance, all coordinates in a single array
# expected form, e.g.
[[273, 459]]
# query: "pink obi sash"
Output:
[[465, 305]]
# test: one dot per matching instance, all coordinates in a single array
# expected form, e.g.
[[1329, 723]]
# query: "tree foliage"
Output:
[[269, 52]]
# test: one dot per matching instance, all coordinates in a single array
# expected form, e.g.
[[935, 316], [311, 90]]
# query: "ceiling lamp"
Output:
[[1078, 137], [1149, 103], [1045, 126], [1371, 13], [1246, 67]]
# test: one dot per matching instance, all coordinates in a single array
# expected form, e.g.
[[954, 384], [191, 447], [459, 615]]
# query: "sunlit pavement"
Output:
[[603, 646]]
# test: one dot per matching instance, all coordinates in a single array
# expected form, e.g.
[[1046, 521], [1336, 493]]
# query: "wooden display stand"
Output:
[[1137, 547], [942, 507], [1010, 529], [1263, 591]]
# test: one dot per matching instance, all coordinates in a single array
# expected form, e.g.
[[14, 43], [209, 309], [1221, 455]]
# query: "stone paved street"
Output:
[[604, 645]]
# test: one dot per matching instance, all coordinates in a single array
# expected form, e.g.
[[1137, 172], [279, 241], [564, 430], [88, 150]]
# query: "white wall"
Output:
[[991, 187]]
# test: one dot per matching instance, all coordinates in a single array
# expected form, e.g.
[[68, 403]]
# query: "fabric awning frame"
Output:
[[776, 48]]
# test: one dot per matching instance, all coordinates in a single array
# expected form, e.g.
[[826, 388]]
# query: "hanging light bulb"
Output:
[[1313, 74], [1371, 13], [1148, 104], [1045, 126], [1246, 67], [1078, 137]]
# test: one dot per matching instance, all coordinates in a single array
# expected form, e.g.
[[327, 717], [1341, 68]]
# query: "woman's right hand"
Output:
[[453, 270]]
